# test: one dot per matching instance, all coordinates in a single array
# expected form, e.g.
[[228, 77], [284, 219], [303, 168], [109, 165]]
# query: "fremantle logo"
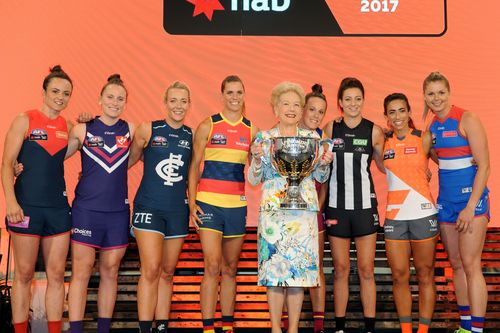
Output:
[[167, 169]]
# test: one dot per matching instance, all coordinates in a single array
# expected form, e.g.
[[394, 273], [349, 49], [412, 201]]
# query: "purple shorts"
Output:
[[103, 230]]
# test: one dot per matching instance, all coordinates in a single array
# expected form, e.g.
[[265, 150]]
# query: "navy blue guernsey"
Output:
[[166, 165], [103, 184]]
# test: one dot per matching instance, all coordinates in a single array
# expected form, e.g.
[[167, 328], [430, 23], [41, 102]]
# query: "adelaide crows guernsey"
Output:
[[42, 154], [222, 182], [456, 170], [351, 184], [103, 184], [408, 195], [166, 165]]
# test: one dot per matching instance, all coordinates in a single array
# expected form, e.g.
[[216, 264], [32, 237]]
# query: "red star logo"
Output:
[[206, 7]]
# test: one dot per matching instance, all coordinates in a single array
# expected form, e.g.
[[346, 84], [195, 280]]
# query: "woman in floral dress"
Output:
[[287, 239]]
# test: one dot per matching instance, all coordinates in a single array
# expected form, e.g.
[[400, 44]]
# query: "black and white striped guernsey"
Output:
[[351, 184]]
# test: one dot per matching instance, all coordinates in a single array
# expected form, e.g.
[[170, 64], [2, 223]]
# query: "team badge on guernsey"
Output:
[[167, 169]]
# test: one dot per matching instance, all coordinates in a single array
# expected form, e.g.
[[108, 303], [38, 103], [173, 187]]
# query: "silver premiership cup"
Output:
[[294, 158]]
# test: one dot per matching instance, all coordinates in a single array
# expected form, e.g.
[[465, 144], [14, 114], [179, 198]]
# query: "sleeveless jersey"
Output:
[[42, 154], [222, 182], [408, 194], [351, 184], [166, 165], [456, 171], [103, 184]]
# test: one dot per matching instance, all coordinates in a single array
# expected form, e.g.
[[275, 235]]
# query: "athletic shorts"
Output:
[[448, 211], [230, 222], [411, 230], [170, 224], [102, 230], [351, 223], [42, 221]]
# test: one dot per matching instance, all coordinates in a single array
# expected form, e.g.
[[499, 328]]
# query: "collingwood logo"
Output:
[[250, 18]]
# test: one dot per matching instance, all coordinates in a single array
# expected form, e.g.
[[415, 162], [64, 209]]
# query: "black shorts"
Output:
[[351, 223]]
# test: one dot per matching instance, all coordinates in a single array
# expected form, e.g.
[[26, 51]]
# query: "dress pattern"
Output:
[[287, 239]]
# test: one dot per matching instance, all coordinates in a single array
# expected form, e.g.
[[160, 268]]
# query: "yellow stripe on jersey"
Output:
[[222, 200], [226, 155]]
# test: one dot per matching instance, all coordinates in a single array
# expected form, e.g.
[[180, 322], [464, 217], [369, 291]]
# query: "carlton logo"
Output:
[[250, 18]]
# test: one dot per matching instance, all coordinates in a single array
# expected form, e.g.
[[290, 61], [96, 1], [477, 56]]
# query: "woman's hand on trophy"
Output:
[[326, 158], [257, 151]]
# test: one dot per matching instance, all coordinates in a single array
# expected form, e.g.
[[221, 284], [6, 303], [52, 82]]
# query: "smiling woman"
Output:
[[100, 212], [37, 207], [288, 239]]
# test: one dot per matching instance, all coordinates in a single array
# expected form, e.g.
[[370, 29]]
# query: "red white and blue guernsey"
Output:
[[456, 170]]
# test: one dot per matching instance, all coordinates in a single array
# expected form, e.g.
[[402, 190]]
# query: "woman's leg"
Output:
[[211, 243], [25, 249], [171, 251], [231, 249], [275, 300], [55, 253], [294, 299], [471, 245], [318, 294], [424, 253], [341, 264], [82, 263], [398, 255], [150, 245], [109, 264], [365, 248]]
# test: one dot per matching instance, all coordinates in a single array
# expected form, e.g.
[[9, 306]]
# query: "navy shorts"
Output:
[[171, 224], [102, 230], [448, 211], [42, 221], [351, 223], [230, 222]]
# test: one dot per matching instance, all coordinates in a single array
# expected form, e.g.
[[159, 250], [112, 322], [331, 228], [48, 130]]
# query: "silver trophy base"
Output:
[[293, 205]]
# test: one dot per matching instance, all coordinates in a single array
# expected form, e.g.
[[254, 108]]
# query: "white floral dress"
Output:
[[287, 239]]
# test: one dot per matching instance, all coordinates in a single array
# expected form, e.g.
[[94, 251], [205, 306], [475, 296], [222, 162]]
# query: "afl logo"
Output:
[[389, 154], [38, 134], [338, 144], [95, 142], [159, 141], [218, 139]]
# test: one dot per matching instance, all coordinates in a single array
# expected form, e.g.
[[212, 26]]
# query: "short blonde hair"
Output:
[[284, 87], [177, 85]]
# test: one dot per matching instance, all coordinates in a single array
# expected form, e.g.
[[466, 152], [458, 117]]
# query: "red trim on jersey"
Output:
[[454, 152], [221, 186]]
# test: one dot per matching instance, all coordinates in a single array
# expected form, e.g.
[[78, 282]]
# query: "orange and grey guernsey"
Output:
[[222, 182], [408, 196]]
